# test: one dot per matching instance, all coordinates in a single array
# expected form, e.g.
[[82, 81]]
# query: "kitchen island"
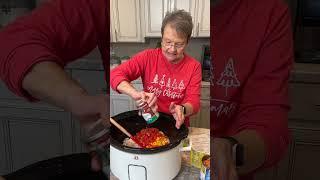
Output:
[[187, 171]]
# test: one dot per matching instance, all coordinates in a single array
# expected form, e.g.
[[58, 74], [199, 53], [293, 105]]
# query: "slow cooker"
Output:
[[162, 163]]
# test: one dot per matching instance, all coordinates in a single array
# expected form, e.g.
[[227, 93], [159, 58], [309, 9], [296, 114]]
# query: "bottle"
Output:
[[96, 137], [146, 112]]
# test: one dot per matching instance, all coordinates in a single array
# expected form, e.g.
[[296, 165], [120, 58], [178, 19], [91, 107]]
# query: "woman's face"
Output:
[[173, 44]]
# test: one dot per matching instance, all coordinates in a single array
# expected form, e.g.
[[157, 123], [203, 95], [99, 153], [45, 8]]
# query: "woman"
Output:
[[171, 78]]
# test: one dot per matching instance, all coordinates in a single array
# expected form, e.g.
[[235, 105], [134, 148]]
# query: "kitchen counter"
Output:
[[187, 171]]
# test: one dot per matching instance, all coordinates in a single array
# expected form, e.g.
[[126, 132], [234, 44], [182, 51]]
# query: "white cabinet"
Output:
[[202, 25], [120, 103], [155, 11], [189, 6], [127, 21]]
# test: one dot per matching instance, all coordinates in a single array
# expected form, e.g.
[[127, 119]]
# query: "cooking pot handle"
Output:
[[186, 145]]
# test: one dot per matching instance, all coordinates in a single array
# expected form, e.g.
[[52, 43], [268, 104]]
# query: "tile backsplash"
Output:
[[194, 48]]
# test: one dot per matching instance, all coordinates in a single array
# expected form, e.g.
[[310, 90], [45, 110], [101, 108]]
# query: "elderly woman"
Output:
[[171, 78]]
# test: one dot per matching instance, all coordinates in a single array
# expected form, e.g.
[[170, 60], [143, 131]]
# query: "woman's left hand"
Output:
[[177, 112]]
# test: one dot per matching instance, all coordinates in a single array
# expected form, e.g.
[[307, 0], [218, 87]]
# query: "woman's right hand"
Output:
[[87, 109], [150, 98]]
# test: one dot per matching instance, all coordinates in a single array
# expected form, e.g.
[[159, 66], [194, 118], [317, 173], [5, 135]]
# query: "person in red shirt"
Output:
[[252, 59], [171, 78], [35, 48]]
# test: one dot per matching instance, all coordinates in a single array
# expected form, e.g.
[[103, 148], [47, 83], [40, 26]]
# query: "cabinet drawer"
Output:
[[305, 101]]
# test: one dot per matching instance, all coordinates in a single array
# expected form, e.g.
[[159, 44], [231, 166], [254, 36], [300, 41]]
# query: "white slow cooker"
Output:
[[158, 166], [163, 163]]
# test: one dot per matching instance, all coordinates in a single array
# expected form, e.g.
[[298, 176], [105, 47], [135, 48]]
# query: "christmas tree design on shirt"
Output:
[[228, 77]]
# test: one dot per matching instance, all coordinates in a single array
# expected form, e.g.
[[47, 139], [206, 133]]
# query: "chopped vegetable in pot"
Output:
[[150, 138]]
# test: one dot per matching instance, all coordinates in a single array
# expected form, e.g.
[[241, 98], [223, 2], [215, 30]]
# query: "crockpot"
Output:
[[161, 163]]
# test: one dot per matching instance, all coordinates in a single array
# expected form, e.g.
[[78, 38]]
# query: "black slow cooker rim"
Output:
[[143, 151], [172, 145]]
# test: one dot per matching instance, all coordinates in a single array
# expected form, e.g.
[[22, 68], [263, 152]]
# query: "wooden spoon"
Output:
[[122, 129]]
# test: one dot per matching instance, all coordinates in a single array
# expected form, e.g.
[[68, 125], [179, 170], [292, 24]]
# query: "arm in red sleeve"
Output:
[[192, 95], [128, 71], [264, 101], [58, 31]]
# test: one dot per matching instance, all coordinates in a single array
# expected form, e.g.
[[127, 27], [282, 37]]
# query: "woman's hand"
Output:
[[150, 98], [177, 112], [223, 164], [88, 109]]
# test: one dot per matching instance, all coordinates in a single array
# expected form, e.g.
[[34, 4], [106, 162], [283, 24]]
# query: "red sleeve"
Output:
[[129, 71], [264, 101], [59, 31], [192, 95]]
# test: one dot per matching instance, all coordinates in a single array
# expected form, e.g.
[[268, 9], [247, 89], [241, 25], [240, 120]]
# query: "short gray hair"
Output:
[[180, 20]]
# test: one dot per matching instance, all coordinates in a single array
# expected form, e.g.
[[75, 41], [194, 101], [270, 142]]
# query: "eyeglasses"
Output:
[[169, 44]]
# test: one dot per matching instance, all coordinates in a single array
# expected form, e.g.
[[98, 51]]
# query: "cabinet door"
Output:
[[112, 31], [120, 103], [155, 10], [127, 20], [189, 6], [203, 19], [32, 135]]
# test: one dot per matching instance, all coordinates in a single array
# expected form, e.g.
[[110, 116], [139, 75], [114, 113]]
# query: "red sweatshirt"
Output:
[[179, 83], [252, 58], [60, 31]]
